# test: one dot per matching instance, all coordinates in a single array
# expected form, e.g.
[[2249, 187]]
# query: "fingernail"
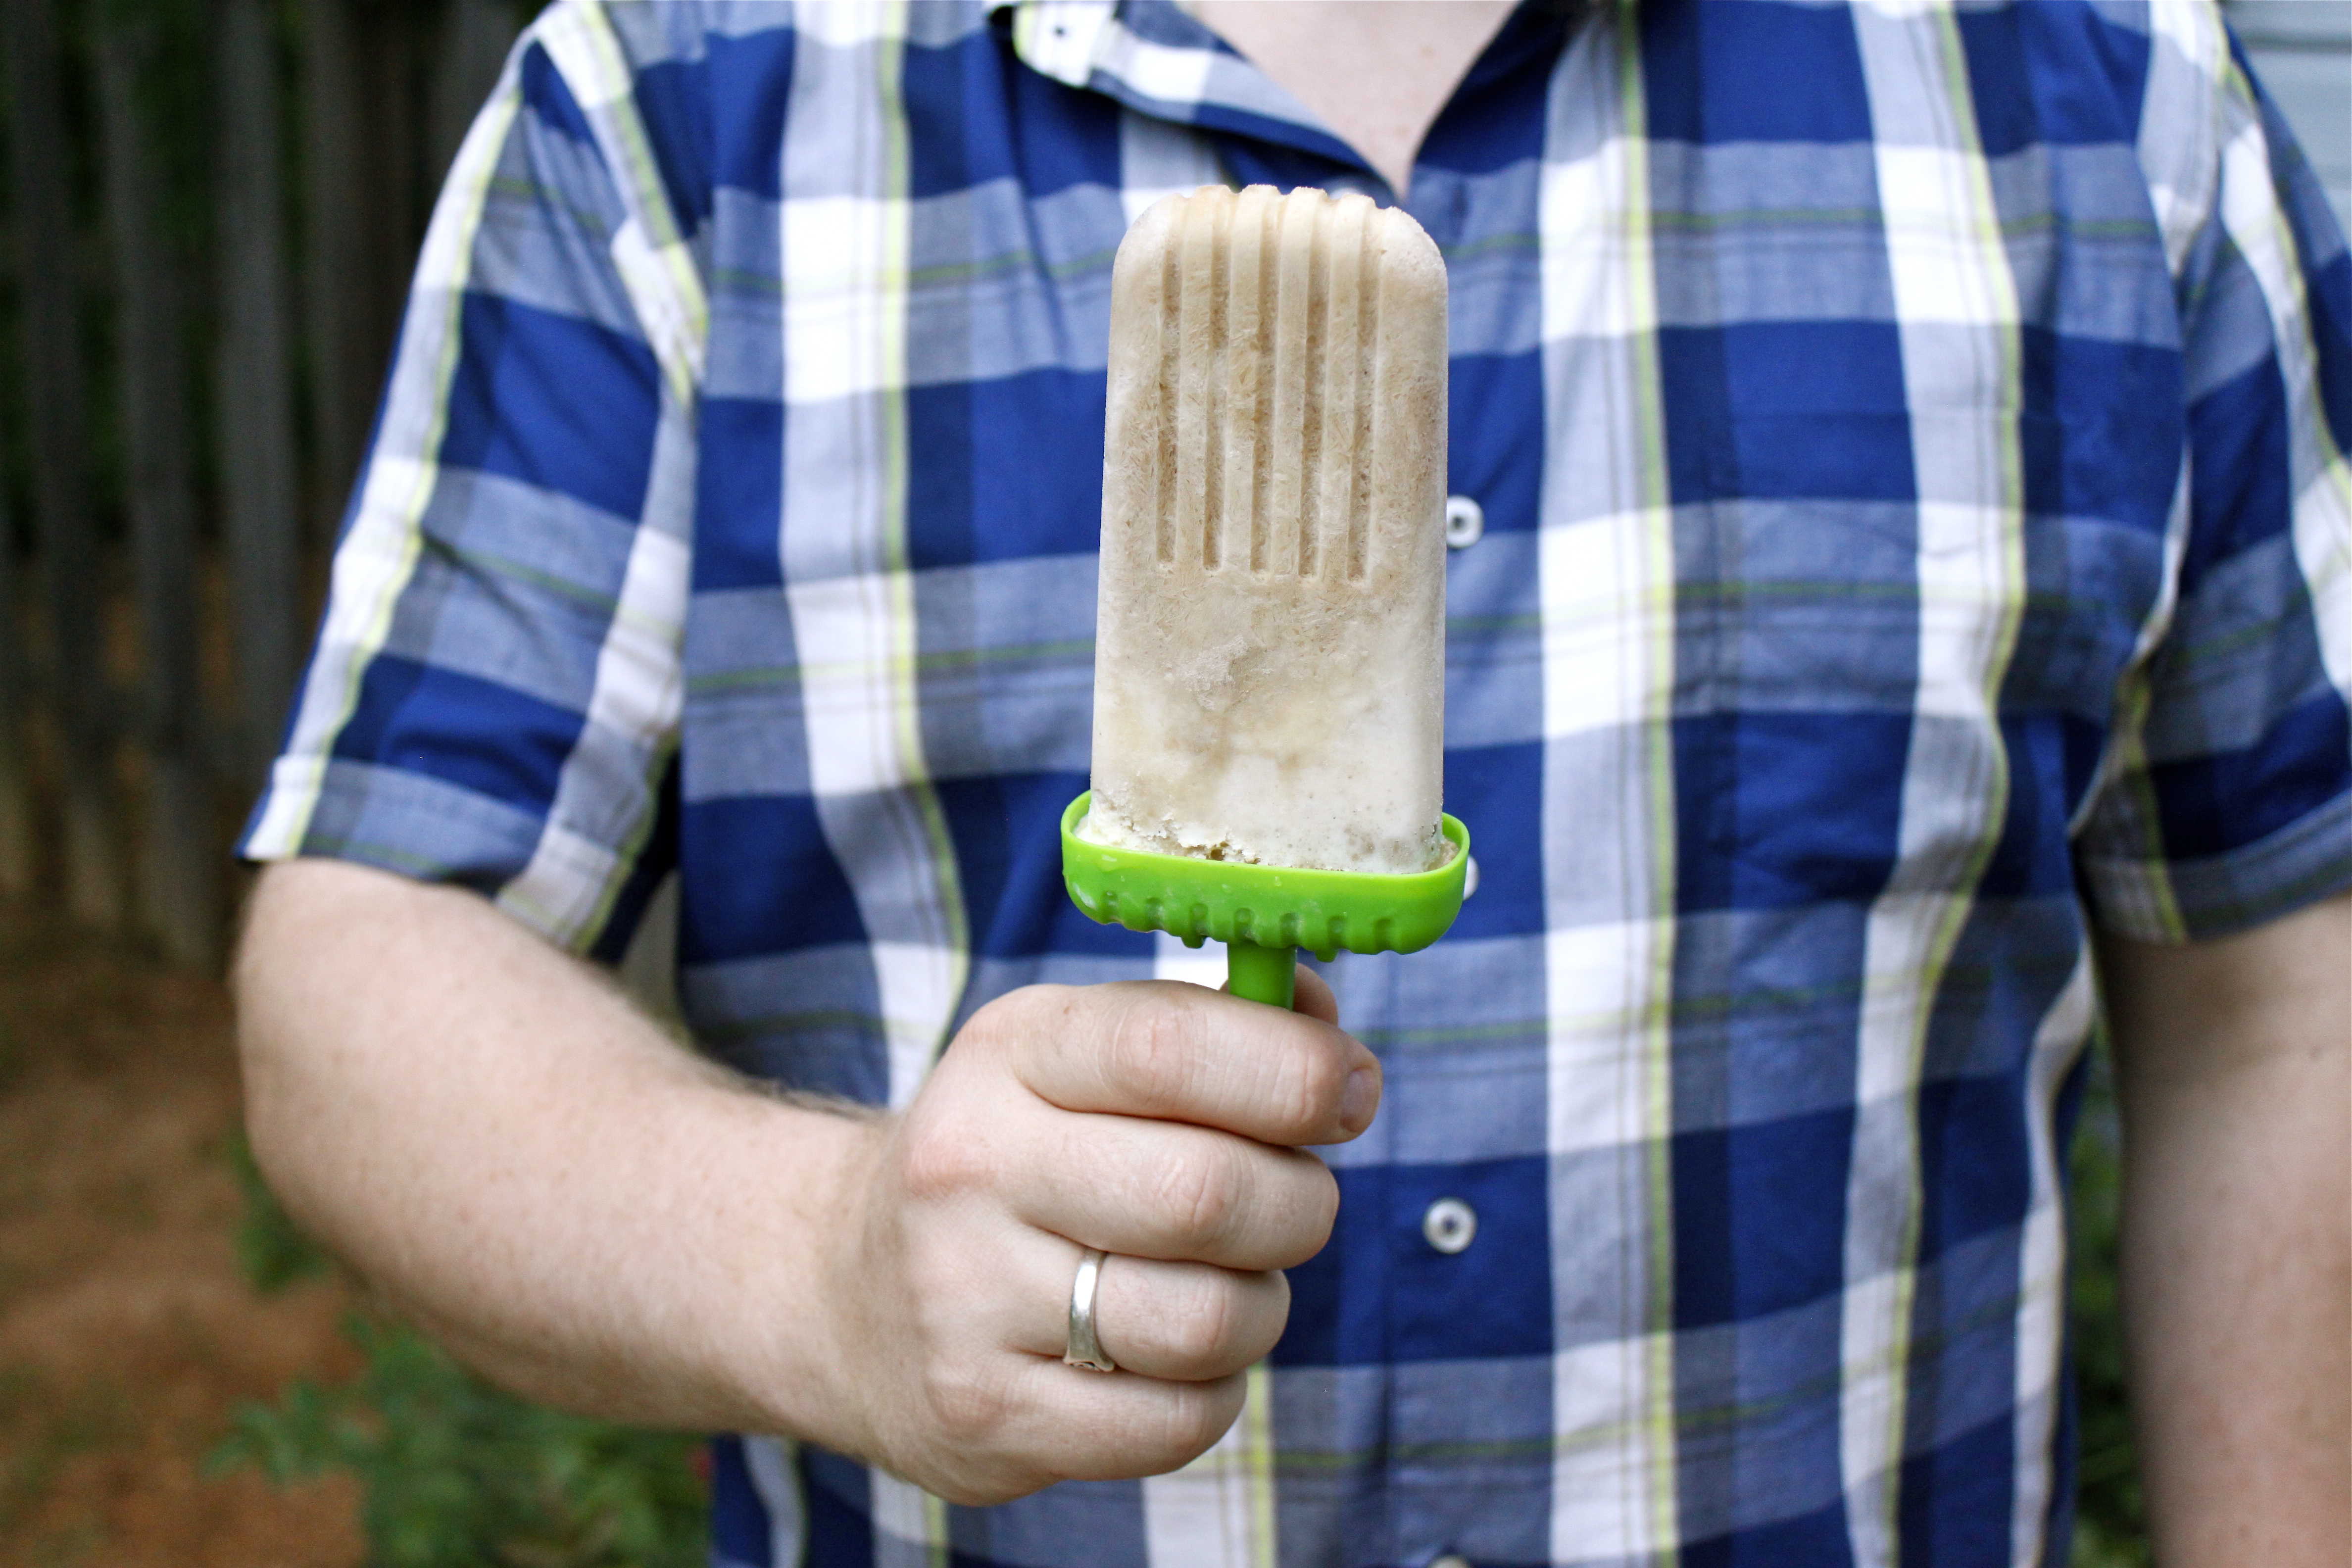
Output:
[[1361, 1097]]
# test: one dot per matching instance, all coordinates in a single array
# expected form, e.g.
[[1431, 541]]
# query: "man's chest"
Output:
[[1817, 469]]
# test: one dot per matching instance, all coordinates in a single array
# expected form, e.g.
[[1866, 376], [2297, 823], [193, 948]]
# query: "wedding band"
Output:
[[1084, 1349]]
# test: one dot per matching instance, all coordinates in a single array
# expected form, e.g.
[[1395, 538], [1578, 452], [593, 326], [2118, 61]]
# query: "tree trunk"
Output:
[[177, 887], [46, 275], [255, 399]]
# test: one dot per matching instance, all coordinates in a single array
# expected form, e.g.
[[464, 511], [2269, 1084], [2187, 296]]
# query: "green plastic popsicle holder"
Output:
[[1261, 913]]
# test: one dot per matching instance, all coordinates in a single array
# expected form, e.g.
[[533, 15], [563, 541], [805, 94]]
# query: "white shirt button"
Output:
[[1450, 1559], [1448, 1226], [1470, 877], [1466, 522]]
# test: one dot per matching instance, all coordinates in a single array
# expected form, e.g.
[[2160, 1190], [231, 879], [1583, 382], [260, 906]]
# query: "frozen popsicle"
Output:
[[1269, 666]]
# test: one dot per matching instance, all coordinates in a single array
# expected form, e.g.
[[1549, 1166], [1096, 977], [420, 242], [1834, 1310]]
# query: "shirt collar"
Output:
[[1153, 56]]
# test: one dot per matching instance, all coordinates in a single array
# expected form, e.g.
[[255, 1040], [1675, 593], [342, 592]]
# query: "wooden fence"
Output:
[[211, 210]]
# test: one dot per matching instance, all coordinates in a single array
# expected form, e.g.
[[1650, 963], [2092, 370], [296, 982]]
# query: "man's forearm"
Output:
[[559, 1192], [597, 1218], [2237, 1098]]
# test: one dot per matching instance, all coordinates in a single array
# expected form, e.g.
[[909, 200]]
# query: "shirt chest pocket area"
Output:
[[1879, 512], [1866, 589]]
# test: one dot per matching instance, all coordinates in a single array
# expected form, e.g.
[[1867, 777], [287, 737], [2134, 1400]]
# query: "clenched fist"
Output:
[[1158, 1122]]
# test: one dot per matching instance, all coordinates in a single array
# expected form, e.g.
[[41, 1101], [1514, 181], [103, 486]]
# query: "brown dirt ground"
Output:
[[128, 1334]]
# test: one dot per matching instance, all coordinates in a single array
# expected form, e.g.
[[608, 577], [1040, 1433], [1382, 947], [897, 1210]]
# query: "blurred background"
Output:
[[208, 212]]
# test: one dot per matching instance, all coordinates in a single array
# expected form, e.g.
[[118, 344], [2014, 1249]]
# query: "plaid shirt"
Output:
[[1910, 446]]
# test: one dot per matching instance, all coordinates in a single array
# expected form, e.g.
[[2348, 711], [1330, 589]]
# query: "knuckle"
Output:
[[1323, 1200], [1200, 1192], [995, 1024], [1306, 1090], [1153, 1053], [1319, 1212], [1196, 1418], [1205, 1328], [989, 1491], [1013, 1023], [969, 1406], [1303, 1213], [938, 1161]]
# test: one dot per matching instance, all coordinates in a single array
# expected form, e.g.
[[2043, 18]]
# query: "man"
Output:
[[1902, 515]]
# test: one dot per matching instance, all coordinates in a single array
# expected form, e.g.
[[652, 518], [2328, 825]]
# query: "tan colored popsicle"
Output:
[[1269, 667]]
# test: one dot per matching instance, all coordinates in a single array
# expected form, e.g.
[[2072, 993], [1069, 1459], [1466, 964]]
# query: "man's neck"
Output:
[[1378, 72]]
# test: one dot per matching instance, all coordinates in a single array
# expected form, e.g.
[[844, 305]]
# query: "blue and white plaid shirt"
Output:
[[1911, 447]]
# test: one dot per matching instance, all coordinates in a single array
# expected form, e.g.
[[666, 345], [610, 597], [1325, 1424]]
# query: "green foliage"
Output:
[[49, 1426], [455, 1473], [2111, 1528], [273, 1252]]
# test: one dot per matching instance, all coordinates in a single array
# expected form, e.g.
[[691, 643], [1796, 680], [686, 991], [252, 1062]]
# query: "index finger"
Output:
[[1184, 1053]]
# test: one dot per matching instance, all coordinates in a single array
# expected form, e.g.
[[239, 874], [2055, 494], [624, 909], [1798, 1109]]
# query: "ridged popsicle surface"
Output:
[[1269, 667]]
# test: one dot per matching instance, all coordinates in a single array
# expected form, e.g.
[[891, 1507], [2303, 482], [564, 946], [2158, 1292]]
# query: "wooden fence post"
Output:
[[336, 264], [178, 888], [47, 275], [390, 81], [475, 37], [15, 788], [255, 413]]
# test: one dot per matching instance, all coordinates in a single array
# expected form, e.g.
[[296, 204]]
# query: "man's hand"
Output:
[[2234, 1059], [596, 1218], [1154, 1120]]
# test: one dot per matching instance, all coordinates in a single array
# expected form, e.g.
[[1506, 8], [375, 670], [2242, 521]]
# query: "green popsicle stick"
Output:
[[1258, 974]]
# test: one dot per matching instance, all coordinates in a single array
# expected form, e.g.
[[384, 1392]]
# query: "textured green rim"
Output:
[[1272, 906]]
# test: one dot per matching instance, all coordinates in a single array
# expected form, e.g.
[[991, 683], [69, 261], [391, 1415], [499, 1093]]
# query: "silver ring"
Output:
[[1084, 1349]]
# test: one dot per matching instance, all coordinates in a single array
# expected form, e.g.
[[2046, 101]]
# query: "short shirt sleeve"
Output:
[[494, 697], [2228, 797]]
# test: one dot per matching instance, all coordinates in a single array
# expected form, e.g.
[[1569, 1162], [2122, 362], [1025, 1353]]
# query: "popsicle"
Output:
[[1269, 666]]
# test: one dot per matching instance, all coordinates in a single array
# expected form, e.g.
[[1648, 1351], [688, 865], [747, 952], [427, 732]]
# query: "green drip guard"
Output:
[[1261, 912]]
